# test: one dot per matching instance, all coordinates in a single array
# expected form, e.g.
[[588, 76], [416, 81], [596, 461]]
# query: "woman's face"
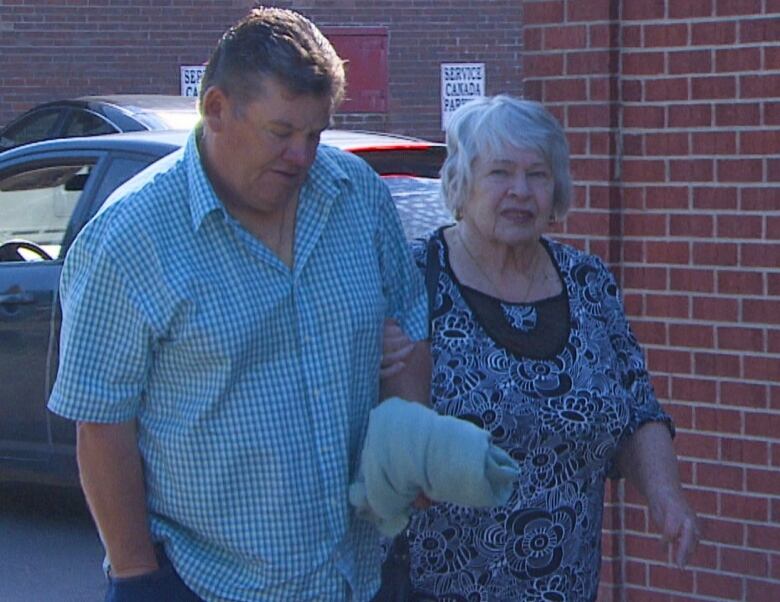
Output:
[[511, 200]]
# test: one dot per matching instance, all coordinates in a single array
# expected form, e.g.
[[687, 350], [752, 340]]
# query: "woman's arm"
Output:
[[648, 462], [408, 375]]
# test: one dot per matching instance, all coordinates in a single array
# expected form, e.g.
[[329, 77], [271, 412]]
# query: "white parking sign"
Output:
[[460, 82], [190, 80]]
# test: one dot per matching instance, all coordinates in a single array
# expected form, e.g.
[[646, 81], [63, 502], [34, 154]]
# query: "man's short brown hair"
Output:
[[279, 43]]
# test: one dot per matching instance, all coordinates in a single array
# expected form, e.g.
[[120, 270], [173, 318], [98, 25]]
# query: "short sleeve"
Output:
[[105, 340], [402, 282]]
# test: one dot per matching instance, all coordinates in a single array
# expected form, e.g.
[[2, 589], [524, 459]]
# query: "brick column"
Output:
[[677, 164], [700, 251], [570, 63]]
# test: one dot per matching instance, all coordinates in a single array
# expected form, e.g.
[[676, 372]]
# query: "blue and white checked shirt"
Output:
[[251, 382]]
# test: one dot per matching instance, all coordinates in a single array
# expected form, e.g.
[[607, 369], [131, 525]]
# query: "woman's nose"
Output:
[[519, 185]]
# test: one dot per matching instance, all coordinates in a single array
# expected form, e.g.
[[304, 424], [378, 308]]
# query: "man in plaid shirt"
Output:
[[221, 340]]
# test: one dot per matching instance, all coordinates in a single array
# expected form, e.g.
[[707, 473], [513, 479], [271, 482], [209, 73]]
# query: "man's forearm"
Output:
[[113, 483], [413, 382]]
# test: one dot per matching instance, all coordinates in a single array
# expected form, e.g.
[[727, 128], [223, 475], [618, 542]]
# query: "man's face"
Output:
[[258, 153]]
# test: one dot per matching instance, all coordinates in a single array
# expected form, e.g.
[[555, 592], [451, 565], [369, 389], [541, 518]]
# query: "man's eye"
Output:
[[281, 134], [538, 174], [499, 172]]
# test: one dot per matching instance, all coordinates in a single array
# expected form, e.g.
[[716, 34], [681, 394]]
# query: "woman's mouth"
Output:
[[517, 215]]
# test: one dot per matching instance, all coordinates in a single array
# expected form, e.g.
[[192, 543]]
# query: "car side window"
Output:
[[85, 123], [34, 127], [36, 205], [119, 171]]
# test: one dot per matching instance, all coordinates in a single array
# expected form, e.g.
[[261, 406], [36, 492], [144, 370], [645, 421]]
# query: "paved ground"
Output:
[[49, 549]]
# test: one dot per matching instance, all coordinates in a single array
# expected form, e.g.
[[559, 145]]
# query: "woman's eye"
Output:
[[538, 174], [498, 172]]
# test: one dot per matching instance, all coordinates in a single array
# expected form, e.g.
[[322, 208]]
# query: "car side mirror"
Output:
[[76, 183]]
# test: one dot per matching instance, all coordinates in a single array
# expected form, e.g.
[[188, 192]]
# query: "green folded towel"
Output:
[[411, 449]]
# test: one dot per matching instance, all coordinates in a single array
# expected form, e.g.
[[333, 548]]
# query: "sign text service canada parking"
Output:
[[460, 82]]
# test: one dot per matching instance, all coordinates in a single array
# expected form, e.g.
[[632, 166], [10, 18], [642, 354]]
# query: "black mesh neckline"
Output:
[[537, 330]]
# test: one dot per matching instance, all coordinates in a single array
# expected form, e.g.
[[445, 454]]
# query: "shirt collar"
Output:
[[326, 177], [203, 199], [325, 180]]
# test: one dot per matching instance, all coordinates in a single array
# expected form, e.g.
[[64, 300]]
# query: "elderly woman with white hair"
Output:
[[530, 342]]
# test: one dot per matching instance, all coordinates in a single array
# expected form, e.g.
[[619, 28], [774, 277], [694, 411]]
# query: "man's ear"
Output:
[[215, 108]]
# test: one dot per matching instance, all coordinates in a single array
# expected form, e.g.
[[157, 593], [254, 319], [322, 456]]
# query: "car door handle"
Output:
[[16, 299]]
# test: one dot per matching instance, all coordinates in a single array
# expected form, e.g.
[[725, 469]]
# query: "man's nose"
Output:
[[299, 153]]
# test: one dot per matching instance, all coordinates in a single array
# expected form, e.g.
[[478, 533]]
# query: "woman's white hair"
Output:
[[484, 127]]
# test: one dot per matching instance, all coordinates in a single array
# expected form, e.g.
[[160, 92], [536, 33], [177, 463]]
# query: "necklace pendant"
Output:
[[520, 317]]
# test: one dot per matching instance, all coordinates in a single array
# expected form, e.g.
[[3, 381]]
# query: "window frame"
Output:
[[56, 127], [75, 112], [98, 159]]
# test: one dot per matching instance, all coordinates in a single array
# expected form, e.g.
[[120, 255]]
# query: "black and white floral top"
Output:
[[562, 416]]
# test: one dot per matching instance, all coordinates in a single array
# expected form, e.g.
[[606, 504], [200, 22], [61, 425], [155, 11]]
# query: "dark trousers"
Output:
[[396, 579], [163, 585]]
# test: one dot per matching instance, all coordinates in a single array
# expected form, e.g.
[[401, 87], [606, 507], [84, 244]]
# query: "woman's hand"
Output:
[[677, 522], [648, 461], [396, 347], [422, 502]]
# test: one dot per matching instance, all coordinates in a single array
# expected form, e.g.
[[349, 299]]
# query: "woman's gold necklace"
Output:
[[489, 280]]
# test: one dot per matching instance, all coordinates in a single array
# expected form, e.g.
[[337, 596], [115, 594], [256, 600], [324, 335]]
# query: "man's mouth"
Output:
[[290, 175]]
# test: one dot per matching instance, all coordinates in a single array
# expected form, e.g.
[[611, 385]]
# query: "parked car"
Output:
[[95, 115], [48, 191]]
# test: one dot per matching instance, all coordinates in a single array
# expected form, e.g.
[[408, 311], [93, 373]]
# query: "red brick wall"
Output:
[[63, 48], [673, 113], [422, 35], [54, 49]]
